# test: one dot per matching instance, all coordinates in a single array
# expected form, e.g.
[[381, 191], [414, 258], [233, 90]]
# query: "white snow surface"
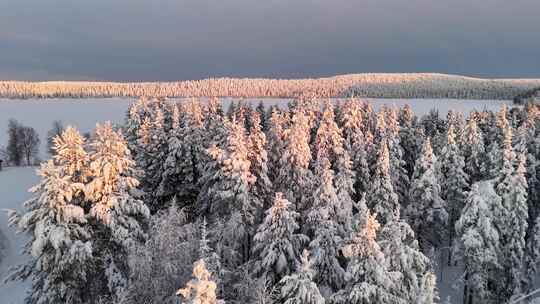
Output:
[[14, 185]]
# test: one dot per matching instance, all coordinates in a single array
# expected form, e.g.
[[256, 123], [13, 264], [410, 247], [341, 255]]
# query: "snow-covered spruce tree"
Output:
[[454, 182], [495, 138], [136, 114], [299, 288], [151, 157], [352, 126], [398, 172], [329, 147], [226, 190], [325, 231], [426, 211], [478, 244], [369, 280], [408, 138], [61, 264], [403, 256], [512, 188], [276, 141], [201, 289], [258, 157], [210, 257], [294, 178], [261, 110], [472, 146], [117, 214], [277, 242], [381, 197], [182, 167]]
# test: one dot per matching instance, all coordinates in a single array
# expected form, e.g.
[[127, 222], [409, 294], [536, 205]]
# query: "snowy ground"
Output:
[[85, 113], [14, 183]]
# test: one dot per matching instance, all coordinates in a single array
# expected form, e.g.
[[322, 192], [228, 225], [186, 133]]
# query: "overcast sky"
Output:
[[191, 39]]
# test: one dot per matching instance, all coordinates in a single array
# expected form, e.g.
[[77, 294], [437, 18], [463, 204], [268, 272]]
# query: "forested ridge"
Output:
[[381, 85]]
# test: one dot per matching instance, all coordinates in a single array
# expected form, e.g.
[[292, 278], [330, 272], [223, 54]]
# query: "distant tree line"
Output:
[[527, 96], [359, 85]]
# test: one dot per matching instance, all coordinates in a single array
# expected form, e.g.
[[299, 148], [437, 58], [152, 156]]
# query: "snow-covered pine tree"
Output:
[[299, 288], [276, 141], [277, 242], [136, 114], [496, 137], [261, 110], [478, 244], [208, 254], [369, 280], [408, 138], [426, 210], [262, 187], [294, 179], [329, 151], [325, 231], [182, 167], [61, 264], [118, 215], [354, 144], [398, 171], [512, 188], [454, 181], [226, 190], [403, 256], [201, 289], [381, 196], [152, 153], [472, 146]]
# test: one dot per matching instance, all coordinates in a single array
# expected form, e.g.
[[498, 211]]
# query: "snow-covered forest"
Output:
[[374, 85], [314, 203]]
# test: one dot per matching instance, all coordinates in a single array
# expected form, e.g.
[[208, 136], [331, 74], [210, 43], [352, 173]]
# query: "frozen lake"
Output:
[[85, 113]]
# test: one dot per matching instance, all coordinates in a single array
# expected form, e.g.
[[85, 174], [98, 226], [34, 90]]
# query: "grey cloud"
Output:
[[190, 39]]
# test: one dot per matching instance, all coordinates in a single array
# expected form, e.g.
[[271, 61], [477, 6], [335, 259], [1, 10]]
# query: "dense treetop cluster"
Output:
[[316, 203]]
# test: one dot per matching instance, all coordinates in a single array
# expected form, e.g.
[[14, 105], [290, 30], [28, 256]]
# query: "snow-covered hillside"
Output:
[[395, 85], [15, 183]]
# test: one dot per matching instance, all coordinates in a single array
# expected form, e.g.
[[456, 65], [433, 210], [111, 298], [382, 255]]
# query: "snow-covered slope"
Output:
[[14, 185]]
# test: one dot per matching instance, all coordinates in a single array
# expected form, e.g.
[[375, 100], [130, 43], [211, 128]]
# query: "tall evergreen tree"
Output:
[[277, 242], [299, 288], [294, 178], [512, 188], [60, 245], [472, 145], [454, 181], [381, 197], [426, 210], [369, 279], [118, 215], [478, 243]]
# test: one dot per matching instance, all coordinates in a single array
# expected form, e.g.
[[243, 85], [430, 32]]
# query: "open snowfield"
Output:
[[13, 191], [85, 113]]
